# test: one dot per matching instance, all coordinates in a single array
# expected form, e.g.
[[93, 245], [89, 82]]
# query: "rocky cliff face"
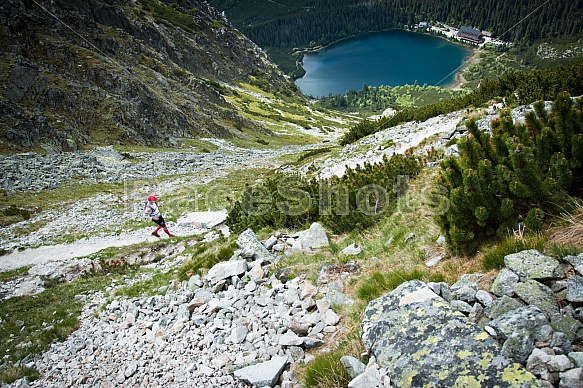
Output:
[[82, 72]]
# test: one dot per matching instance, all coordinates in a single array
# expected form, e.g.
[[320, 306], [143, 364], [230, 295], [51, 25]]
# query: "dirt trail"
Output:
[[79, 248]]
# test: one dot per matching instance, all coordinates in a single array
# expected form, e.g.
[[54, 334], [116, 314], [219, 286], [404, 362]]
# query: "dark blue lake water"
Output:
[[384, 58]]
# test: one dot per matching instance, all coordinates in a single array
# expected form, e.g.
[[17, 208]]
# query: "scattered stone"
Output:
[[434, 261], [503, 305], [352, 249], [537, 294], [484, 298], [339, 298], [264, 374], [353, 366], [315, 237], [505, 283], [559, 363], [249, 243], [527, 321], [576, 262], [440, 240], [225, 270], [409, 237], [572, 378], [577, 359], [567, 325], [575, 289]]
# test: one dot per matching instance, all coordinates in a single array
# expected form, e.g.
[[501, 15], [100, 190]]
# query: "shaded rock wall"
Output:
[[74, 73]]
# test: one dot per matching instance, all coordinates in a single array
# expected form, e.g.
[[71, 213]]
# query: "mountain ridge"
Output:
[[77, 74]]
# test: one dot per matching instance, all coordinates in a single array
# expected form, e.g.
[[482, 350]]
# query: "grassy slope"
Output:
[[386, 261]]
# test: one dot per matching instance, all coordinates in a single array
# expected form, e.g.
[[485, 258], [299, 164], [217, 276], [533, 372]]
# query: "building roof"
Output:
[[469, 31]]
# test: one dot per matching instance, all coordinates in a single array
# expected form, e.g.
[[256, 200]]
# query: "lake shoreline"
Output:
[[459, 78], [453, 80]]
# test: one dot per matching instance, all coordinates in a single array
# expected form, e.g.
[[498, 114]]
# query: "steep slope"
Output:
[[75, 73]]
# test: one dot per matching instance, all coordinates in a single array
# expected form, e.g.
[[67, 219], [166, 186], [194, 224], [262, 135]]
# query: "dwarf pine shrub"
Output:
[[354, 201], [514, 176]]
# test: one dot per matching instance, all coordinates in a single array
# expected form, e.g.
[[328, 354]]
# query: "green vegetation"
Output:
[[374, 100], [8, 275], [353, 202], [205, 256], [493, 257], [170, 16], [378, 283], [311, 153], [30, 323], [522, 173], [326, 370], [514, 87], [13, 214]]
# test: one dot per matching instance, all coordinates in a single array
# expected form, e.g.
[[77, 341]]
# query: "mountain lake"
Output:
[[390, 58]]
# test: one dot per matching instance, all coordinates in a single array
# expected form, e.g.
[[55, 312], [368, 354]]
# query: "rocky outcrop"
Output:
[[531, 310], [98, 72], [421, 340]]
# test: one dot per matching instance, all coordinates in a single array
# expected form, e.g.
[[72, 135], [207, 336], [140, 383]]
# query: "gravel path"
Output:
[[103, 217]]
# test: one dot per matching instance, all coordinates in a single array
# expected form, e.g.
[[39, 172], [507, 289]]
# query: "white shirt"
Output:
[[151, 210]]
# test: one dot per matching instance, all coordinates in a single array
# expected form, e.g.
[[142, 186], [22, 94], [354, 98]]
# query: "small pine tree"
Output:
[[520, 172]]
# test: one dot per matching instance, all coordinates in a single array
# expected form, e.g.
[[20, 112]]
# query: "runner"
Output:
[[151, 210]]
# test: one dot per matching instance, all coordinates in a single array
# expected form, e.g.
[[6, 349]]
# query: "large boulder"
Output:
[[314, 238], [531, 264], [225, 270], [422, 341]]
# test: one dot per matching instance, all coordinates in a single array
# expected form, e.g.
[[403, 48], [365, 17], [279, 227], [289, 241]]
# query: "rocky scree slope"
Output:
[[74, 73]]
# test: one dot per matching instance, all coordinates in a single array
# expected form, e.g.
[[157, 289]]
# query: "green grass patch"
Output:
[[46, 199], [313, 153], [14, 273], [378, 283], [559, 251], [326, 370], [31, 323], [170, 16], [149, 287], [493, 255], [205, 256]]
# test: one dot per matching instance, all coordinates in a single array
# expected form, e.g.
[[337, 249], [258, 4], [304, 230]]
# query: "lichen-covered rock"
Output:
[[576, 262], [575, 289], [505, 283], [531, 264], [518, 347], [528, 320], [248, 242], [566, 324], [503, 305], [537, 294], [484, 298], [421, 341]]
